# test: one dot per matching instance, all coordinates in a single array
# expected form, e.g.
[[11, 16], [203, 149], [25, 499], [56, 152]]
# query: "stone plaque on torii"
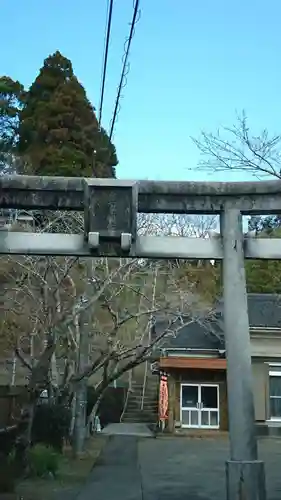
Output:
[[110, 214]]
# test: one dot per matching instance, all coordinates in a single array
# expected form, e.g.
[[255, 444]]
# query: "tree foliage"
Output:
[[59, 132], [12, 97], [265, 225], [263, 276], [53, 127]]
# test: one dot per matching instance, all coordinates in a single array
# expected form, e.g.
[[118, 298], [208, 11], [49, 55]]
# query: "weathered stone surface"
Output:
[[154, 196], [110, 209], [245, 480]]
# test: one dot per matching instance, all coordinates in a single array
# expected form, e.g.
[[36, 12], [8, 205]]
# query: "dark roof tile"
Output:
[[264, 311]]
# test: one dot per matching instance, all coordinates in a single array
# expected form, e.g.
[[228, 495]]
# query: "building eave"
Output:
[[187, 351], [202, 363]]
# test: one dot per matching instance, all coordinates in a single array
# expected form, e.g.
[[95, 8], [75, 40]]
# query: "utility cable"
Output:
[[105, 56], [125, 69]]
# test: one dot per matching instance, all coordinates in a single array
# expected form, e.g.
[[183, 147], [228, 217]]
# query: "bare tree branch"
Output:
[[22, 359], [236, 149]]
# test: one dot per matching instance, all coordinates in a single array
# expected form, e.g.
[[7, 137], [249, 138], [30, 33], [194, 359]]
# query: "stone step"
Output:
[[141, 408], [153, 402], [147, 394], [147, 386], [143, 419], [138, 411], [146, 409], [149, 383], [133, 397], [137, 402], [140, 414], [138, 388], [146, 397], [144, 402]]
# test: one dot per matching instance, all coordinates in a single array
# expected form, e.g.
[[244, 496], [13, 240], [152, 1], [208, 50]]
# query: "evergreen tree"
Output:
[[11, 102], [59, 132], [264, 224], [264, 276]]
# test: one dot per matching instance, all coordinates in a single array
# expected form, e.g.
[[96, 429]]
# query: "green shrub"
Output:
[[12, 456], [51, 425], [43, 460], [7, 475]]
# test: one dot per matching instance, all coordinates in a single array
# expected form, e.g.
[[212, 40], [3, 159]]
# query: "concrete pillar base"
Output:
[[245, 480]]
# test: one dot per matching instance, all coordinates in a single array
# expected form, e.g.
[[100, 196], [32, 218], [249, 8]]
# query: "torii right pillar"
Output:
[[245, 475]]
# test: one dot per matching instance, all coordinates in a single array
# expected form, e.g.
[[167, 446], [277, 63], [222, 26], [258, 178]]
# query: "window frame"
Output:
[[273, 373]]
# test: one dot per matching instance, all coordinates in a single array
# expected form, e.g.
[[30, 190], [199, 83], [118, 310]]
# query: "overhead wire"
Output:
[[126, 66], [105, 56]]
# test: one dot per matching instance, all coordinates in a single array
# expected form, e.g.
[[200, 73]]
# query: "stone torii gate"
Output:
[[110, 213]]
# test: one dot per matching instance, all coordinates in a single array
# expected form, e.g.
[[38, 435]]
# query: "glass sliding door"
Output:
[[200, 406], [209, 406], [189, 405]]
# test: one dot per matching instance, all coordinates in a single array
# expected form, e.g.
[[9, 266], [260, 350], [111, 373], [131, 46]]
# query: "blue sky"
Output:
[[193, 65]]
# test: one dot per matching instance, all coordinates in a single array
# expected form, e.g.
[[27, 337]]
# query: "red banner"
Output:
[[163, 398]]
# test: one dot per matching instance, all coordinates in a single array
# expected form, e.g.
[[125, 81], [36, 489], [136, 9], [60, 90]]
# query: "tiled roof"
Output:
[[264, 311]]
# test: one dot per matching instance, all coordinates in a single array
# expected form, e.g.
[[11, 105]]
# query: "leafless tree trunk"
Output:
[[79, 431]]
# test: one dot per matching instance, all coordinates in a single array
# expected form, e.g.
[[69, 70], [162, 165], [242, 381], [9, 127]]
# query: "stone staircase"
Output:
[[139, 407]]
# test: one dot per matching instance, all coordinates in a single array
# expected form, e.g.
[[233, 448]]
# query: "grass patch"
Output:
[[72, 472]]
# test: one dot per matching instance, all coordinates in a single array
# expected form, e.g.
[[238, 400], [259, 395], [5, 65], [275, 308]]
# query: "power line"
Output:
[[105, 55], [126, 68]]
